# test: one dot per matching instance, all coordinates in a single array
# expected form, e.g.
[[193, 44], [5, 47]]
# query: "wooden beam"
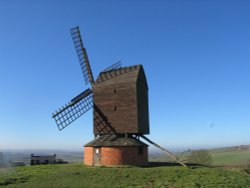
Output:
[[165, 150]]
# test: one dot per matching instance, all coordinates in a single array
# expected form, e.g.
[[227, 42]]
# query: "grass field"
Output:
[[73, 175], [220, 157], [231, 158]]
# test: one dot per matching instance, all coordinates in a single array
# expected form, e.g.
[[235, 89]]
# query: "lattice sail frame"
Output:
[[84, 101], [82, 55], [115, 66], [74, 109]]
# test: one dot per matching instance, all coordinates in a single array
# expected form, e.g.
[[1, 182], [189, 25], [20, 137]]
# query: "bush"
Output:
[[61, 161], [200, 157], [248, 164]]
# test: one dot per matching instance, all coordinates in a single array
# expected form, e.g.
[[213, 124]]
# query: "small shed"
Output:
[[39, 160]]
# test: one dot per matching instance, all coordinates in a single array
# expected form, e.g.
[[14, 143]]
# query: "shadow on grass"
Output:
[[247, 171], [155, 164], [172, 164], [8, 181]]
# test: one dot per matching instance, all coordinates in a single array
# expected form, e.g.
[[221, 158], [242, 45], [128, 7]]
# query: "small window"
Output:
[[96, 151], [114, 91], [140, 150], [115, 108]]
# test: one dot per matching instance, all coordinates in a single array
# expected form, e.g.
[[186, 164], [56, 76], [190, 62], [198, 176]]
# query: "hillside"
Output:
[[235, 156], [73, 175], [232, 157]]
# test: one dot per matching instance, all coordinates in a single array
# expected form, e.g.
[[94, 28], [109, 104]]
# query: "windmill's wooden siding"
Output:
[[142, 103], [121, 102]]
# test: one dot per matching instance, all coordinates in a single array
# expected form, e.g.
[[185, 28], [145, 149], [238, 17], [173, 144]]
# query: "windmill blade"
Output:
[[82, 55], [74, 109], [107, 75], [115, 66]]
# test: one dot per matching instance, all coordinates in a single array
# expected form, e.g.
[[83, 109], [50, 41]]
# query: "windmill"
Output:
[[119, 98]]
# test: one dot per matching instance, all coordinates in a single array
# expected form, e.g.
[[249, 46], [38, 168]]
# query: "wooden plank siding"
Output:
[[142, 103], [121, 102]]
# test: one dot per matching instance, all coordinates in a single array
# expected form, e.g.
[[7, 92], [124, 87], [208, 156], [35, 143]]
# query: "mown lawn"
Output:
[[72, 175]]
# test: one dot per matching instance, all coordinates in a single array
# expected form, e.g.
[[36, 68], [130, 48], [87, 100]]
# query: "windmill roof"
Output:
[[114, 140], [118, 76]]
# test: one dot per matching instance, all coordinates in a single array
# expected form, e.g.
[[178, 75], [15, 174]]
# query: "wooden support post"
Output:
[[165, 150]]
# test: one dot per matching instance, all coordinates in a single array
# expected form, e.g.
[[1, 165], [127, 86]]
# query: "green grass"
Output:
[[231, 158], [220, 157], [73, 175]]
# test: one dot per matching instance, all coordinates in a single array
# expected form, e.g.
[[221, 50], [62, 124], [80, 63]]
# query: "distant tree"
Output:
[[1, 159], [200, 157]]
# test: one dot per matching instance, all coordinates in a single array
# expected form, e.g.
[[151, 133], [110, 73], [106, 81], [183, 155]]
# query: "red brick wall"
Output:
[[117, 156], [123, 156], [88, 156]]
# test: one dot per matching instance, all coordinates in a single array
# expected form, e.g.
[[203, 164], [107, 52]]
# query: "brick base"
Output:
[[109, 156]]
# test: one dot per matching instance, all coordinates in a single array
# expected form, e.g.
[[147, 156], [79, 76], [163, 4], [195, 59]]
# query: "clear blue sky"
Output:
[[195, 54]]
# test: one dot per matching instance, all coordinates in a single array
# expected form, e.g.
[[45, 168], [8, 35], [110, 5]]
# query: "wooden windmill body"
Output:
[[119, 97], [120, 112], [122, 100]]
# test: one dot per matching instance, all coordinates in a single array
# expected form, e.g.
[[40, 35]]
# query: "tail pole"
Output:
[[165, 150]]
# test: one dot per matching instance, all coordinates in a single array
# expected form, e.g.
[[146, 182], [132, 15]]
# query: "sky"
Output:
[[195, 55]]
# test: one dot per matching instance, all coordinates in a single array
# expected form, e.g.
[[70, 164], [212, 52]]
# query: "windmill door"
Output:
[[97, 156]]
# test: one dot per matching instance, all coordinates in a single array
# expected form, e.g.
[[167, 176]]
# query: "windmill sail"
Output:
[[111, 73], [82, 55], [115, 66], [74, 109]]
